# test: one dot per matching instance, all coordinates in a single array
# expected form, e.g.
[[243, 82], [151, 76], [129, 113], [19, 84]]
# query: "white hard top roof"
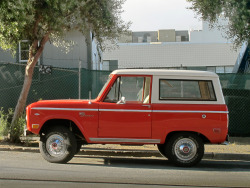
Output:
[[162, 72]]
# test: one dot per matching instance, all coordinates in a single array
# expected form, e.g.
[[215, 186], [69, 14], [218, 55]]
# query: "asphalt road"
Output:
[[25, 169]]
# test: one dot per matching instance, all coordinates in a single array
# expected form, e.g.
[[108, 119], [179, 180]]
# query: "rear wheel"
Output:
[[185, 149], [58, 145]]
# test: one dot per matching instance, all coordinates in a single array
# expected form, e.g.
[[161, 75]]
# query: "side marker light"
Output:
[[35, 126]]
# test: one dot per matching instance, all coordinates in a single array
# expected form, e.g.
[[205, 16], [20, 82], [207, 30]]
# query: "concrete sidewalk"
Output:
[[239, 149]]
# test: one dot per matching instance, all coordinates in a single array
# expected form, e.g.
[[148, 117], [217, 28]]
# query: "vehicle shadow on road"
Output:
[[161, 163]]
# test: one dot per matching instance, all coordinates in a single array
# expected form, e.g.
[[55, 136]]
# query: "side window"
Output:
[[133, 88], [186, 90]]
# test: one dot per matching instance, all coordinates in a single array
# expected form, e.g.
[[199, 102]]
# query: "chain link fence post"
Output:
[[79, 79]]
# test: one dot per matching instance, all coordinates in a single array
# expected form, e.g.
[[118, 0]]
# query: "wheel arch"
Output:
[[71, 125], [204, 138]]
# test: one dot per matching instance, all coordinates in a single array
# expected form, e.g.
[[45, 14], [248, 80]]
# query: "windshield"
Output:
[[105, 85]]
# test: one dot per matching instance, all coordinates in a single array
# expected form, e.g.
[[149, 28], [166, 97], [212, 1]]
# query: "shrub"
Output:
[[5, 121], [5, 125]]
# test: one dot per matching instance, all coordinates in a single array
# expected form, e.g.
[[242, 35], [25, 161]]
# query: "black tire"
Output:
[[58, 145], [78, 146], [185, 149], [162, 149]]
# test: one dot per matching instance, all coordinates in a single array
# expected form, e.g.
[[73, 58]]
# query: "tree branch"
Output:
[[41, 47], [35, 30]]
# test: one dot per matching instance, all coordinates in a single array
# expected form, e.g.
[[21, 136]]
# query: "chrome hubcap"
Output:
[[55, 145], [185, 149]]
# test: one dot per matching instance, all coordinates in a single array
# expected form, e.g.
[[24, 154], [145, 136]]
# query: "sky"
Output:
[[152, 15]]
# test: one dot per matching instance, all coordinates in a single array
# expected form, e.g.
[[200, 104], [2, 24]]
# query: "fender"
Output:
[[168, 133], [64, 117]]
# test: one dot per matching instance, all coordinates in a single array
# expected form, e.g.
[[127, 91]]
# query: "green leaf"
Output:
[[238, 13]]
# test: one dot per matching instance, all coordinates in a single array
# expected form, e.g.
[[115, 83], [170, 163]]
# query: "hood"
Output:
[[63, 103]]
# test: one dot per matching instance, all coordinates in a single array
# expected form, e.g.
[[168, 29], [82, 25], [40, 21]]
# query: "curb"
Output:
[[135, 153], [227, 156]]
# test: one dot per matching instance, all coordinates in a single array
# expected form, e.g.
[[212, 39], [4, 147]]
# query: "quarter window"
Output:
[[186, 90]]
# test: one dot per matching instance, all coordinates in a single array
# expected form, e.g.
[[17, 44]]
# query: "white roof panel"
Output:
[[165, 72]]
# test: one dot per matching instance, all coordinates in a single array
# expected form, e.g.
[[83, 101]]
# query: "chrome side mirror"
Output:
[[122, 101]]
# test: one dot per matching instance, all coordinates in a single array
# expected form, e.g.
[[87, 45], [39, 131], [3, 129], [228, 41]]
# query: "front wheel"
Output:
[[185, 149], [58, 145], [78, 146]]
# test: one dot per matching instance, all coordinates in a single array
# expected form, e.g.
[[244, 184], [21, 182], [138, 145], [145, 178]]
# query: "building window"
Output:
[[140, 39], [178, 39], [24, 47], [23, 50], [220, 70], [229, 69], [211, 69], [148, 39]]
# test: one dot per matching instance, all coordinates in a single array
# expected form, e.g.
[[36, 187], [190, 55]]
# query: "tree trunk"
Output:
[[22, 100], [34, 54]]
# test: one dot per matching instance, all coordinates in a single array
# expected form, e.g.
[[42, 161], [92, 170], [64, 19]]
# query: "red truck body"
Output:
[[152, 117]]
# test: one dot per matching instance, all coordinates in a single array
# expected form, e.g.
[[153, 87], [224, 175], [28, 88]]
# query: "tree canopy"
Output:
[[34, 19], [237, 11]]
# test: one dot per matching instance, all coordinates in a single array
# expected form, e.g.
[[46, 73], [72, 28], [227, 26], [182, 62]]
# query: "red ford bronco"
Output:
[[178, 110]]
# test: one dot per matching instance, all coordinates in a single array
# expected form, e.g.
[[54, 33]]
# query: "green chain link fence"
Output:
[[236, 90], [60, 84], [65, 83]]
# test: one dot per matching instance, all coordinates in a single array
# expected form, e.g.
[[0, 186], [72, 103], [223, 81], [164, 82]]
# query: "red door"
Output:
[[125, 112], [124, 120]]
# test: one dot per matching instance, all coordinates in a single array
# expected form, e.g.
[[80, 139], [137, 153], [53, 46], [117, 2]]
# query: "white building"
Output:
[[206, 50], [81, 48], [217, 57], [210, 35]]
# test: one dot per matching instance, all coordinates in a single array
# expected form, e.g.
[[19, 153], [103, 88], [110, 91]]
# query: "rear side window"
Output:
[[192, 90]]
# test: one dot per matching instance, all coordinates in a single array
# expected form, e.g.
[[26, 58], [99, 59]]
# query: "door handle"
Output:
[[147, 106]]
